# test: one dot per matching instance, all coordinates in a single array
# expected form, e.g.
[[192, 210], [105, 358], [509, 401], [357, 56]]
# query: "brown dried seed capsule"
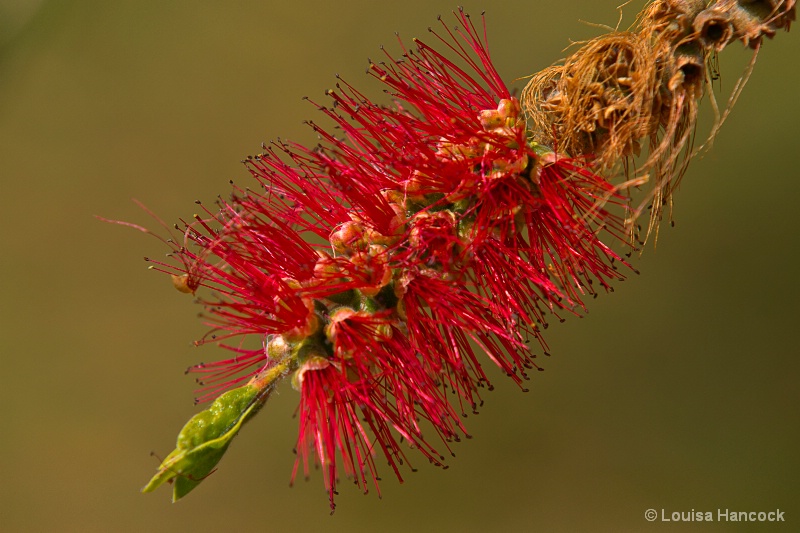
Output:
[[754, 19], [688, 72], [775, 13], [714, 28]]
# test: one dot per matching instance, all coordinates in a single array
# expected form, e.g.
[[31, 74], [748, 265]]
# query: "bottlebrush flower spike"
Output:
[[375, 267]]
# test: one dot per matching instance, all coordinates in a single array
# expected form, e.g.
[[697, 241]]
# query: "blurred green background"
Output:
[[679, 391]]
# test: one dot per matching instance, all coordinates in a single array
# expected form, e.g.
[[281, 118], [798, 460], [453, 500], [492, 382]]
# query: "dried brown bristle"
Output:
[[622, 88], [600, 101]]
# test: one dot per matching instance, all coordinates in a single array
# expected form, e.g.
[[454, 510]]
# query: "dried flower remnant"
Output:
[[644, 85], [376, 267]]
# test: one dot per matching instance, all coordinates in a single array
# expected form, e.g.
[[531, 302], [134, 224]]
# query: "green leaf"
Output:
[[204, 439]]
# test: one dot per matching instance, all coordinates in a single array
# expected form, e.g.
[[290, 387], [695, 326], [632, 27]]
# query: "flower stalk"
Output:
[[376, 267]]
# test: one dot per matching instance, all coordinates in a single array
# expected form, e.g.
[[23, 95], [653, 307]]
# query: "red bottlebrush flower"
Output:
[[374, 267], [443, 222]]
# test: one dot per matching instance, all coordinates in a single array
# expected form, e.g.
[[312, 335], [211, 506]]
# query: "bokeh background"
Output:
[[677, 392]]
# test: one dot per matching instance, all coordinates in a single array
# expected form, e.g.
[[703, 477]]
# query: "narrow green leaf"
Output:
[[204, 439]]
